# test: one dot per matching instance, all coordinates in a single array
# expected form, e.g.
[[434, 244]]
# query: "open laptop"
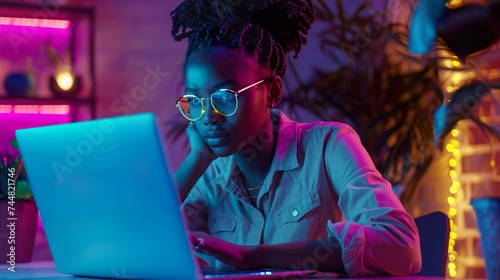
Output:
[[108, 202]]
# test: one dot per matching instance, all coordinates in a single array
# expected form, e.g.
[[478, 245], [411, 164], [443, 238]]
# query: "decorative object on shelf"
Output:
[[18, 84], [64, 83], [17, 208]]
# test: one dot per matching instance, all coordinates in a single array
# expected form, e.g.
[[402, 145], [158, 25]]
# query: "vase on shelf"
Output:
[[18, 84]]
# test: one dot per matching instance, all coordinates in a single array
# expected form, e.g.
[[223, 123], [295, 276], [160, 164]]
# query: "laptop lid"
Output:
[[107, 199]]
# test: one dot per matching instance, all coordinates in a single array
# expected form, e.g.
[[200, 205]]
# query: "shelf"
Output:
[[467, 233], [471, 261], [67, 35]]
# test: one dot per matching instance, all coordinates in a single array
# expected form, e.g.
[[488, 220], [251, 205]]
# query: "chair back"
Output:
[[434, 231]]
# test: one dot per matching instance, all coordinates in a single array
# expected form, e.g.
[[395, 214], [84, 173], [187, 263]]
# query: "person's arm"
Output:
[[188, 173], [322, 254], [378, 236], [195, 164]]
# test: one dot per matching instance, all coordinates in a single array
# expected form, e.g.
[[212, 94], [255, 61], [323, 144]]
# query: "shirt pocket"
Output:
[[223, 226], [304, 207]]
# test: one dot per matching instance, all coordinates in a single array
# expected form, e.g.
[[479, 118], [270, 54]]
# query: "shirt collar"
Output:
[[285, 156]]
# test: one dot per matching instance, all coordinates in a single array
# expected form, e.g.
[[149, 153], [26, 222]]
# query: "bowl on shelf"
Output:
[[18, 84]]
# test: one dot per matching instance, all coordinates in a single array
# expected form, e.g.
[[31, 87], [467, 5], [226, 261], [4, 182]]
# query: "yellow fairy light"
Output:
[[452, 212], [454, 4], [451, 200], [455, 63], [456, 78], [453, 235], [453, 148], [492, 163], [450, 148], [448, 63], [450, 89]]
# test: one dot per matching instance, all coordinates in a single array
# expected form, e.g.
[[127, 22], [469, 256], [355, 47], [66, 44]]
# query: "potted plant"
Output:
[[390, 96], [17, 210], [467, 30]]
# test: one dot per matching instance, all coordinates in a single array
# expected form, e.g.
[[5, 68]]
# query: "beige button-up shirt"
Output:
[[321, 183]]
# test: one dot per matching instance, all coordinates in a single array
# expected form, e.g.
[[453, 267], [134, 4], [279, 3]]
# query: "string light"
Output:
[[457, 77], [453, 149], [454, 4]]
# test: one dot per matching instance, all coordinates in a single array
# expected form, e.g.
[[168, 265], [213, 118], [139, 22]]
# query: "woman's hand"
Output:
[[197, 143], [325, 254], [237, 256], [195, 164], [201, 262]]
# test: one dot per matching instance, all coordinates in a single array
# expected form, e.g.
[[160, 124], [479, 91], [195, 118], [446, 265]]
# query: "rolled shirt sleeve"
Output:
[[378, 237]]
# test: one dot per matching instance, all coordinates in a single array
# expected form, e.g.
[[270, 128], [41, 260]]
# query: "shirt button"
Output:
[[295, 213]]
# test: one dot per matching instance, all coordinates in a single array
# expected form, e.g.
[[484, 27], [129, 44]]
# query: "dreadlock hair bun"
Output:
[[267, 29]]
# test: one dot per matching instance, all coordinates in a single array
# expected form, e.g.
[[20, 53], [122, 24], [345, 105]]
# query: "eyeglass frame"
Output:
[[204, 108]]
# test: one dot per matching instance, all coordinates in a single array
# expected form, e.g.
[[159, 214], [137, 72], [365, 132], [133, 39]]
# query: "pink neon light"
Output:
[[5, 109], [35, 109], [35, 22], [25, 109], [54, 109]]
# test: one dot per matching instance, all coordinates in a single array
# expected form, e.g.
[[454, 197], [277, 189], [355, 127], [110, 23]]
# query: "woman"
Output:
[[260, 190]]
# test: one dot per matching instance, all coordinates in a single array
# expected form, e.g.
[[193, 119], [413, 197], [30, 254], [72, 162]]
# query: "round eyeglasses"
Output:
[[224, 102]]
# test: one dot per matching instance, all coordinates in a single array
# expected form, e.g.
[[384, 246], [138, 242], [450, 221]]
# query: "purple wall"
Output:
[[132, 41]]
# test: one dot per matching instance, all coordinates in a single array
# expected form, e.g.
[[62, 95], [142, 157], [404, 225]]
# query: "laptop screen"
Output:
[[107, 198]]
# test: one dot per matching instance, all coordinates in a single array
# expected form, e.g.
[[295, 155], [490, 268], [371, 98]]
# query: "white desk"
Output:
[[47, 270], [34, 270]]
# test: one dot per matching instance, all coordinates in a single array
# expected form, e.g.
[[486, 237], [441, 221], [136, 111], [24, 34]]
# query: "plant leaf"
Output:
[[461, 104]]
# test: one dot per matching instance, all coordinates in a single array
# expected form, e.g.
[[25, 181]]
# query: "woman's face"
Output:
[[220, 68]]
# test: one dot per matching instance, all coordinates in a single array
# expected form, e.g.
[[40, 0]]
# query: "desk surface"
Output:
[[47, 270]]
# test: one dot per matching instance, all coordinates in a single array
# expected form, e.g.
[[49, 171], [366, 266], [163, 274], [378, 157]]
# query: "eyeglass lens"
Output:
[[223, 101]]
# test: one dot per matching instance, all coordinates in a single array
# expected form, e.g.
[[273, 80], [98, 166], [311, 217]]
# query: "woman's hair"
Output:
[[266, 29]]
